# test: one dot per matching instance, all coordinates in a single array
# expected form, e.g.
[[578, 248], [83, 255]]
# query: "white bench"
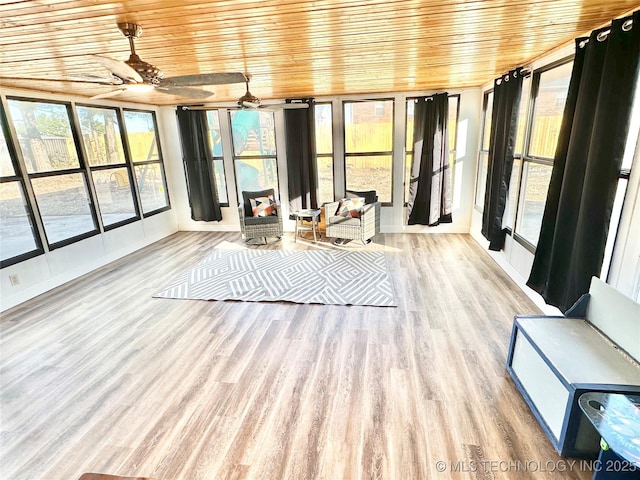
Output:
[[554, 360]]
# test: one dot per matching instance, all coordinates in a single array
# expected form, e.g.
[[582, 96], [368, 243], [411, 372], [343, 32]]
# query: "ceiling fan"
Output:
[[248, 101], [136, 75]]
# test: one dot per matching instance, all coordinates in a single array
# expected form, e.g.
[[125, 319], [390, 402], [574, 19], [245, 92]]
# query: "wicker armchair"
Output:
[[259, 227], [363, 228]]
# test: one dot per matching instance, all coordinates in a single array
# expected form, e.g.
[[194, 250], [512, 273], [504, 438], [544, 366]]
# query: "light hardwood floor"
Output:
[[99, 376]]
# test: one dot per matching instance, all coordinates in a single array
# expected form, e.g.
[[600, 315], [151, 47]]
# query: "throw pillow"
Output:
[[263, 206], [369, 196], [350, 207]]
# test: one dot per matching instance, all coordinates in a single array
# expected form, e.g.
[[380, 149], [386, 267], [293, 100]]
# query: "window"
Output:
[[535, 181], [552, 87], [57, 177], [368, 134], [516, 171], [18, 237], [324, 151], [215, 138], [254, 150], [111, 174], [483, 158], [146, 155], [452, 128], [537, 143]]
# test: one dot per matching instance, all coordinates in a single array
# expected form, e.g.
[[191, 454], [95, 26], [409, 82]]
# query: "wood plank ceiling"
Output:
[[291, 48]]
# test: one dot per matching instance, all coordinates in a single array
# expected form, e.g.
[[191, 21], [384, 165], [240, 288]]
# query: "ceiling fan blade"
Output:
[[276, 107], [185, 92], [105, 79], [222, 78], [119, 69], [292, 106], [112, 93], [71, 78]]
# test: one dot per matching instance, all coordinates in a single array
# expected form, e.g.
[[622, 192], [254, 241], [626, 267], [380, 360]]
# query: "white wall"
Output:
[[53, 268]]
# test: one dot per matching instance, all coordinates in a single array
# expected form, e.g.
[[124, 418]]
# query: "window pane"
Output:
[[370, 173], [63, 201], [213, 119], [150, 180], [481, 181], [256, 174], [368, 126], [522, 113], [141, 136], [219, 178], [215, 139], [512, 204], [101, 135], [44, 135], [411, 104], [17, 234], [536, 183], [486, 130], [253, 133], [325, 179], [453, 122], [324, 150], [114, 195], [407, 175], [6, 167], [324, 124], [548, 109]]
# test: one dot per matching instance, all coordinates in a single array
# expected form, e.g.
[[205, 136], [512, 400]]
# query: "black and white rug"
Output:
[[299, 276]]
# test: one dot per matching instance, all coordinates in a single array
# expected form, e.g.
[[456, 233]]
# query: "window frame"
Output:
[[521, 155], [218, 158], [525, 155], [18, 178], [485, 104], [325, 155], [389, 153], [452, 151], [134, 164], [81, 169], [235, 157], [128, 164]]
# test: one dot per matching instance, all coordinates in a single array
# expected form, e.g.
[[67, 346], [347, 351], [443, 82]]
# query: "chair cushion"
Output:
[[247, 196], [338, 220], [350, 207], [369, 196], [261, 220], [263, 206]]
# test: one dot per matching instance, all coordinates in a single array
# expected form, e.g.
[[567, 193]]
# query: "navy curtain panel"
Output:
[[587, 163], [302, 174], [502, 140], [430, 186], [198, 165]]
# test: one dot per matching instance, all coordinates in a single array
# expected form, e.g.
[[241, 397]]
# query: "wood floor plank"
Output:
[[99, 376]]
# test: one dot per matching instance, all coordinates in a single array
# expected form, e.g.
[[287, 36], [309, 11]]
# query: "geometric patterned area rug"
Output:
[[299, 276]]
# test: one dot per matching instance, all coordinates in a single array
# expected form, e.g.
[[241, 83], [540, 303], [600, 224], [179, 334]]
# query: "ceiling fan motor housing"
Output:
[[149, 73]]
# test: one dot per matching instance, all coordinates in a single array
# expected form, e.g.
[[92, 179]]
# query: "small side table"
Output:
[[616, 417], [312, 215]]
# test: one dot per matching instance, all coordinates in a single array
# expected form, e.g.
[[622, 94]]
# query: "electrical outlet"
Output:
[[14, 279]]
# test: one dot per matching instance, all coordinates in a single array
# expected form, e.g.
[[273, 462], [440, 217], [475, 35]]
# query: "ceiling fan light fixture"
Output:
[[248, 97], [139, 87]]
